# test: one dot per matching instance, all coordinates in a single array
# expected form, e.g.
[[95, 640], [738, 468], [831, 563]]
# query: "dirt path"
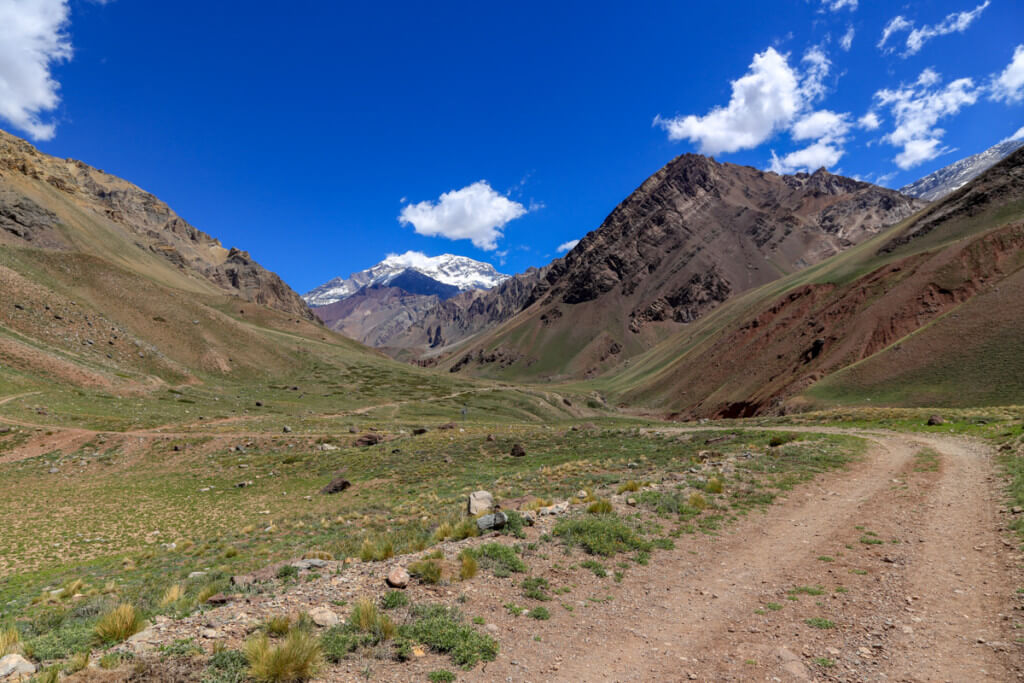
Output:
[[923, 580]]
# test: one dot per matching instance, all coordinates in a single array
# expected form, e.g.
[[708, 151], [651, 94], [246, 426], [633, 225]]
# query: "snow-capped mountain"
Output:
[[951, 178], [449, 269]]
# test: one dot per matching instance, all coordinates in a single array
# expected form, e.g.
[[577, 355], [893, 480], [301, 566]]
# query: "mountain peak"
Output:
[[461, 272], [946, 180]]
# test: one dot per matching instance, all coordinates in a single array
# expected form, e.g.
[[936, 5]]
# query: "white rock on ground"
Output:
[[14, 666], [323, 617], [480, 501]]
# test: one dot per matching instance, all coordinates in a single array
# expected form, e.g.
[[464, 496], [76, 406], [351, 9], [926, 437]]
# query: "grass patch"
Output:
[[394, 599], [539, 613], [297, 658], [500, 559], [536, 588], [427, 571], [118, 624], [441, 629], [596, 567], [604, 535], [819, 622]]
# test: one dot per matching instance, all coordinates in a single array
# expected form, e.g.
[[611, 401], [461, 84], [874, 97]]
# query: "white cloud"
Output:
[[476, 213], [821, 124], [764, 101], [836, 5], [1019, 135], [846, 42], [821, 154], [956, 22], [566, 246], [1008, 86], [869, 121], [32, 40], [917, 108]]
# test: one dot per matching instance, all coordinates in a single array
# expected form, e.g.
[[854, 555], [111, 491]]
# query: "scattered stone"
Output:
[[210, 633], [369, 440], [491, 438], [581, 494], [480, 501], [15, 665], [556, 509], [312, 563], [218, 599], [324, 617], [419, 431], [631, 502], [327, 447], [197, 575], [337, 485], [496, 520], [286, 429], [517, 450], [935, 420], [398, 578]]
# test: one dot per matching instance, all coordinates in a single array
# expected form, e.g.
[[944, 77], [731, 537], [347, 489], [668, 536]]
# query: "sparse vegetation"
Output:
[[499, 559], [540, 613], [427, 571], [394, 599], [296, 658], [819, 622], [441, 629], [604, 535]]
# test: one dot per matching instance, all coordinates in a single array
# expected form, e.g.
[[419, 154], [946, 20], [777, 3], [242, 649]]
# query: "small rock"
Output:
[[337, 485], [518, 451], [218, 599], [491, 438], [491, 628], [54, 470], [935, 420], [398, 578], [419, 431], [353, 430], [369, 440], [631, 502], [210, 633], [243, 484], [495, 520], [581, 494], [632, 465], [197, 575], [286, 429], [15, 665], [323, 617], [480, 501], [528, 518]]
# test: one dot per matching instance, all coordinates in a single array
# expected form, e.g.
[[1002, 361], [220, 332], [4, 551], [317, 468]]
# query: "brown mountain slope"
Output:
[[66, 205], [695, 234], [928, 313]]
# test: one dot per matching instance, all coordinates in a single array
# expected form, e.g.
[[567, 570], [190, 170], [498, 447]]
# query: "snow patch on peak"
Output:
[[450, 269]]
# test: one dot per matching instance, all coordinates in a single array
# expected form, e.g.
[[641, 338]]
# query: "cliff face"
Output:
[[41, 197]]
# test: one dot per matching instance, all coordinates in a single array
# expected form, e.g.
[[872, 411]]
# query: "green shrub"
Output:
[[540, 613], [393, 599], [514, 525], [714, 485], [440, 629], [596, 567], [599, 507], [277, 625], [819, 622], [500, 559], [427, 571], [468, 567], [603, 535], [536, 588], [366, 618], [441, 676], [631, 486], [287, 572], [226, 666]]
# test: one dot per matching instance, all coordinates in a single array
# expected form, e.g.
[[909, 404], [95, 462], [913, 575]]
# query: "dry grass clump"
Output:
[[368, 619], [10, 642], [119, 624], [318, 555], [427, 571], [469, 566], [77, 662], [697, 501], [714, 485], [376, 551], [278, 625], [297, 658], [631, 486], [599, 507], [173, 593]]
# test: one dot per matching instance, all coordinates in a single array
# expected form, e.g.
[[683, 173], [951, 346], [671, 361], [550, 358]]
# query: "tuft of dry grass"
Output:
[[469, 566], [297, 658], [697, 501], [119, 624], [427, 571], [599, 507], [367, 618], [714, 485], [77, 662], [10, 642], [631, 486], [173, 593], [278, 625]]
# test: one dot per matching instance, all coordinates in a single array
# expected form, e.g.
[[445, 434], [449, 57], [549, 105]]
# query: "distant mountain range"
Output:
[[937, 185], [444, 276]]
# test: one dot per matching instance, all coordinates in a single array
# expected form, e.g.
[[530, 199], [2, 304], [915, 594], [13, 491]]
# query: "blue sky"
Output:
[[323, 136]]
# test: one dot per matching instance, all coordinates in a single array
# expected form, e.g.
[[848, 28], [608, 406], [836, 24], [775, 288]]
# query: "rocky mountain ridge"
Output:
[[942, 182], [27, 177]]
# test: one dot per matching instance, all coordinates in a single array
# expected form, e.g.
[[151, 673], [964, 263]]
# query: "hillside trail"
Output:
[[928, 608]]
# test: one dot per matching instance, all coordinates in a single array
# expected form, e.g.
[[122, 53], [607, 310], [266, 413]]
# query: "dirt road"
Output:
[[888, 571]]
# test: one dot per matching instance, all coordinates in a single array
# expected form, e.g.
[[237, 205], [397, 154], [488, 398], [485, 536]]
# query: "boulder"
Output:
[[935, 420], [480, 501], [369, 440], [324, 617], [15, 666], [337, 485], [517, 450], [398, 578], [218, 599], [496, 520]]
